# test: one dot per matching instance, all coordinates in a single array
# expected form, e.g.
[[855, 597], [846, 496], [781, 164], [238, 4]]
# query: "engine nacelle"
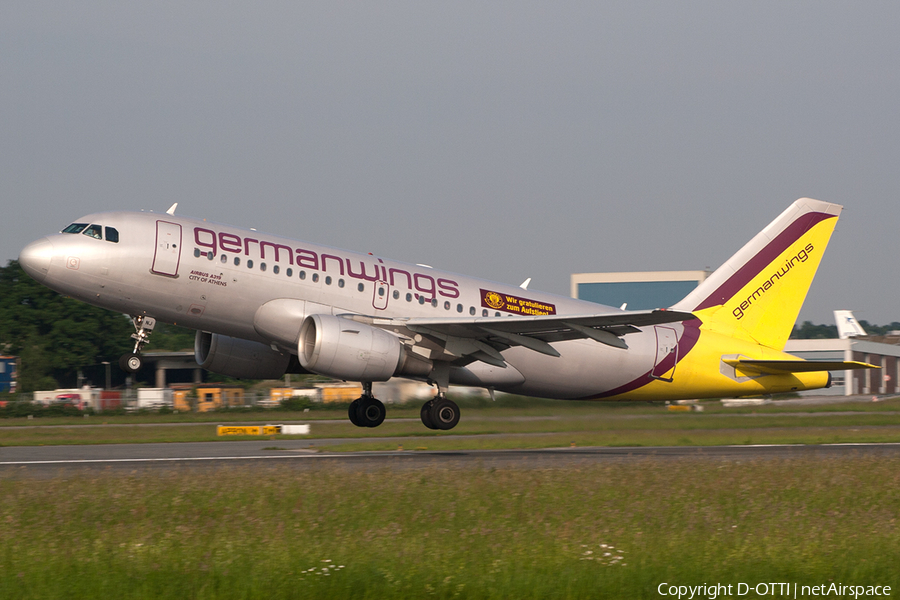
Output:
[[353, 351], [239, 358]]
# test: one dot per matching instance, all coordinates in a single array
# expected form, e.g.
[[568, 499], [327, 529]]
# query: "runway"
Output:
[[48, 461]]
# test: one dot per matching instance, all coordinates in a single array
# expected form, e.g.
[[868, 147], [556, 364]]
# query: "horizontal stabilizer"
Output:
[[779, 367]]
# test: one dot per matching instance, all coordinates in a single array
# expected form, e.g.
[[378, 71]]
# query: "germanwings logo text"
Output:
[[801, 257], [427, 285]]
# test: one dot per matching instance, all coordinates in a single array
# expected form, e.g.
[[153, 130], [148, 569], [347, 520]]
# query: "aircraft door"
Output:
[[666, 353], [382, 291], [167, 255]]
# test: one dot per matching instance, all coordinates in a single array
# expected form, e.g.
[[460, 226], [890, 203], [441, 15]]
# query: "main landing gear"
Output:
[[440, 413], [143, 326], [367, 410]]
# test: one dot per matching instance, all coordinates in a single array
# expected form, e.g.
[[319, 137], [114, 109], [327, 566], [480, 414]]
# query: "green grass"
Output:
[[273, 532], [586, 428]]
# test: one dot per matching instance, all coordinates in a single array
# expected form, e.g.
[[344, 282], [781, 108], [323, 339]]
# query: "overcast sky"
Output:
[[499, 139]]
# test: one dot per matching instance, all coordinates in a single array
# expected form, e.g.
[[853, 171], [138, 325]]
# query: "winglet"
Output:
[[172, 208]]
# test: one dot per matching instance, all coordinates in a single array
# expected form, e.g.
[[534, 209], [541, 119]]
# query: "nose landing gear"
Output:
[[143, 326]]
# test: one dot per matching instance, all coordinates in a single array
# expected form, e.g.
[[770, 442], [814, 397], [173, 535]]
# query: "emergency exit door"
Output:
[[381, 294]]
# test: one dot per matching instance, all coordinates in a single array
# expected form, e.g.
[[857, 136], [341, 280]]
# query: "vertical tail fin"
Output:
[[758, 292], [847, 325]]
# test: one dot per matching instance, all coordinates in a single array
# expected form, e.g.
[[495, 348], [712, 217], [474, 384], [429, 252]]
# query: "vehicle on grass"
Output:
[[264, 305]]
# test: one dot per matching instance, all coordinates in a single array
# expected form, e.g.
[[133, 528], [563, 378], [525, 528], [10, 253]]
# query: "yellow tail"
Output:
[[757, 294]]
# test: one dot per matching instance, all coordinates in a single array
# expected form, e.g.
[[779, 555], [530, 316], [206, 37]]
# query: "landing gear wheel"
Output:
[[444, 414], [370, 412], [351, 412], [131, 362], [425, 414]]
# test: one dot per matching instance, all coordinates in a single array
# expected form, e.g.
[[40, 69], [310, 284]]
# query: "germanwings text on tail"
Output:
[[264, 306]]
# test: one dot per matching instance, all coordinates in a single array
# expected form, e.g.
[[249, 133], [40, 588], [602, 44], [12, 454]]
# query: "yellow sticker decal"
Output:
[[515, 304]]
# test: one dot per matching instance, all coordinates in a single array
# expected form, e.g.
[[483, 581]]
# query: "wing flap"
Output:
[[618, 323], [475, 337]]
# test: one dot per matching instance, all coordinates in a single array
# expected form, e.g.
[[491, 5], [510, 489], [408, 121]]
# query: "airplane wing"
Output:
[[779, 367], [482, 338]]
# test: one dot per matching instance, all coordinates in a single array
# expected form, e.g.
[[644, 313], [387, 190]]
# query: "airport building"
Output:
[[639, 291], [882, 351], [662, 289]]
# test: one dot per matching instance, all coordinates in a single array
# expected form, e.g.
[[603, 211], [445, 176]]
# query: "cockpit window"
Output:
[[112, 235], [75, 228], [95, 231]]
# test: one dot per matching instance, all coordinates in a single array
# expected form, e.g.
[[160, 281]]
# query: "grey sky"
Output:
[[502, 140]]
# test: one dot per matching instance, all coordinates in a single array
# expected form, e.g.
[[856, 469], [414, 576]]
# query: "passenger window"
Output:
[[434, 302], [315, 277], [497, 314], [237, 260], [446, 305], [421, 299], [484, 312], [276, 269], [223, 258], [409, 297], [262, 266], [471, 310], [289, 272], [328, 280], [94, 231], [361, 287], [302, 274], [249, 263], [74, 228], [396, 295], [209, 255], [196, 252], [112, 235], [459, 308], [340, 283]]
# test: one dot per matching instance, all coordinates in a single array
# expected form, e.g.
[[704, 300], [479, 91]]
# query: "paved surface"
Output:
[[52, 461]]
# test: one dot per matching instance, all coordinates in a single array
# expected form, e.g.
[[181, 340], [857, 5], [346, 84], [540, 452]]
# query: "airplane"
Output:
[[264, 305], [847, 325]]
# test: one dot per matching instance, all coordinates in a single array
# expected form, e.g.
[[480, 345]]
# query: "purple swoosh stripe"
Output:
[[764, 257], [687, 341]]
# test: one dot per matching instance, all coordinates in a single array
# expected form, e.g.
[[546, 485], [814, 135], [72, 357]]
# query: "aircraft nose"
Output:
[[35, 258]]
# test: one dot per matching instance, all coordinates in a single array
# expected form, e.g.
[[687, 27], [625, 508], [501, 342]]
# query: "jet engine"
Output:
[[239, 358], [349, 350]]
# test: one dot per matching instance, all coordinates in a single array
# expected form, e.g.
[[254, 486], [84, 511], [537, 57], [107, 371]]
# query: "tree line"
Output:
[[56, 337]]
